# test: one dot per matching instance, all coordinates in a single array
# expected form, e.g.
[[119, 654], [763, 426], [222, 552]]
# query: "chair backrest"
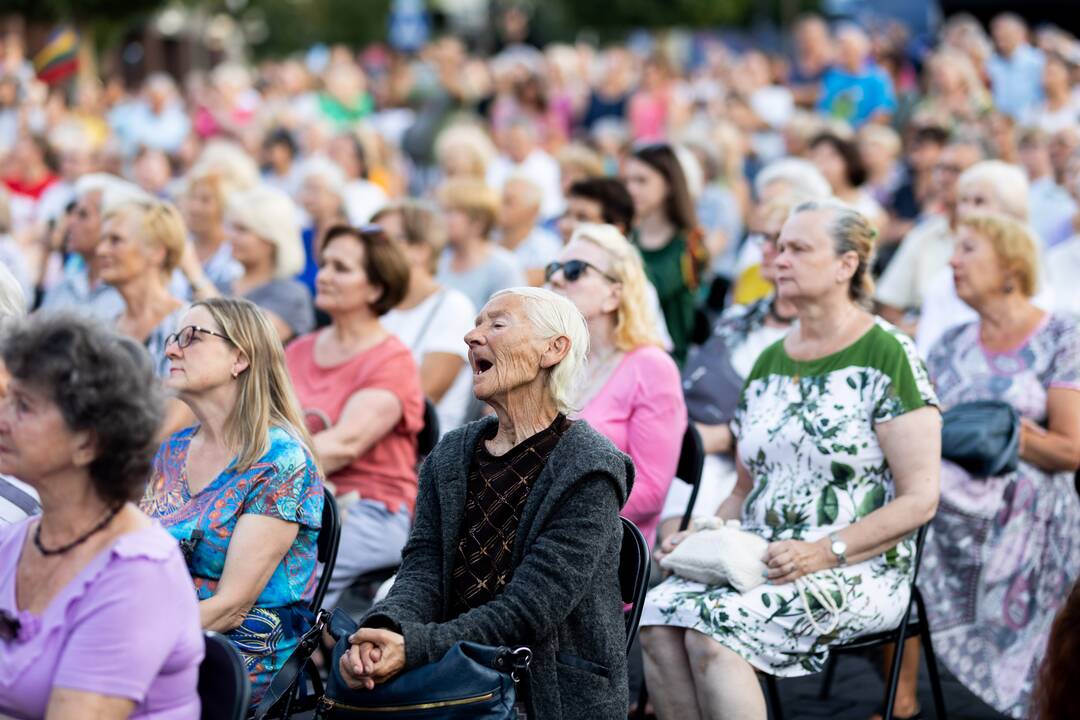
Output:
[[428, 436], [224, 686], [633, 576], [329, 537], [691, 464]]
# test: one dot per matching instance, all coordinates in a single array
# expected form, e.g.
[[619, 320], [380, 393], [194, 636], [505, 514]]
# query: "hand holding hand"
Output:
[[374, 657], [788, 560]]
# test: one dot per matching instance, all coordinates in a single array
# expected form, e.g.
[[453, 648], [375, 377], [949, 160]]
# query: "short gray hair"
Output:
[[272, 216], [805, 179], [1010, 185], [552, 315]]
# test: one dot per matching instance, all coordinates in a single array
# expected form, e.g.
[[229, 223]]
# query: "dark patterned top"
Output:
[[497, 490]]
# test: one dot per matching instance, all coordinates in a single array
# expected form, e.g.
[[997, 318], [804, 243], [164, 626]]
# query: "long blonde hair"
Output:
[[635, 323], [266, 398]]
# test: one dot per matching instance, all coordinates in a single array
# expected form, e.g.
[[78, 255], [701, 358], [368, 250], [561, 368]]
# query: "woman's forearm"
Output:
[[882, 529], [731, 508], [221, 614], [1047, 450], [716, 438]]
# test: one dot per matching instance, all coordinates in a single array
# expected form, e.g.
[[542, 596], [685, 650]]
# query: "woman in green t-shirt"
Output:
[[665, 231]]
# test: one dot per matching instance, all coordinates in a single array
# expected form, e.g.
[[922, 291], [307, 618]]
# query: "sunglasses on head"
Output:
[[572, 270], [185, 336]]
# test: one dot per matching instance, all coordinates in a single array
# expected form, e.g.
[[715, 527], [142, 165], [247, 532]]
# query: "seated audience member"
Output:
[[666, 232], [141, 244], [265, 238], [1018, 534], [519, 212], [524, 156], [987, 186], [362, 198], [1051, 207], [715, 372], [605, 201], [322, 188], [597, 200], [97, 617], [555, 487], [240, 490], [1062, 262], [841, 164], [430, 319], [17, 499], [360, 392], [630, 390], [924, 252], [843, 513], [81, 288], [464, 150], [855, 89], [473, 265]]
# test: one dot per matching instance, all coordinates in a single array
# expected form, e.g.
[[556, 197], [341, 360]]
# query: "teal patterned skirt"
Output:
[[266, 638]]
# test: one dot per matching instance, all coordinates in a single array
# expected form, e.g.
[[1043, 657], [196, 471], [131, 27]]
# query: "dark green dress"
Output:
[[667, 271]]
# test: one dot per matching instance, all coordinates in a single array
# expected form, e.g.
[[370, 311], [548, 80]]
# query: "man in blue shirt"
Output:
[[1016, 68], [855, 89]]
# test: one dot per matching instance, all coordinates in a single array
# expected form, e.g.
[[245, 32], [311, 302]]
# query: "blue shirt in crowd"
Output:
[[1016, 81], [856, 98]]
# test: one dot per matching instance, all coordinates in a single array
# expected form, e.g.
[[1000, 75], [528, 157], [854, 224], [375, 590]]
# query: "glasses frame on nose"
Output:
[[178, 336], [572, 270]]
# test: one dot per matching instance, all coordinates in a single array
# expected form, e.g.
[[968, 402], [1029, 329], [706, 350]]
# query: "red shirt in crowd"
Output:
[[386, 473]]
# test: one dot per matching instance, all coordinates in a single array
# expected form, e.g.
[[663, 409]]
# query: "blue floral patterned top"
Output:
[[284, 483]]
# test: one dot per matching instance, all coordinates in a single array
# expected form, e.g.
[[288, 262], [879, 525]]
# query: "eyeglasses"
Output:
[[184, 337], [572, 270]]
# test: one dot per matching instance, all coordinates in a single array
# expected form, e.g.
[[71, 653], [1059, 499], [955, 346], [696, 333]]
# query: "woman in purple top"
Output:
[[97, 614]]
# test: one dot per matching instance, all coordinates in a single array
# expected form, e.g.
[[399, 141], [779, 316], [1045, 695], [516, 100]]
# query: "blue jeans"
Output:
[[371, 538]]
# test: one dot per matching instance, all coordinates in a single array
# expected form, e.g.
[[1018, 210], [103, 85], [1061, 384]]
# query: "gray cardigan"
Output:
[[563, 600]]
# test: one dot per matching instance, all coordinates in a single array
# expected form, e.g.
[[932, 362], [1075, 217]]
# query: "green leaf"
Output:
[[828, 507], [765, 600], [873, 499], [772, 518], [841, 473]]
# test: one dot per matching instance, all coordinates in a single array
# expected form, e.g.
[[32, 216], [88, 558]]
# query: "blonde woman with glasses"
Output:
[[631, 391], [241, 489]]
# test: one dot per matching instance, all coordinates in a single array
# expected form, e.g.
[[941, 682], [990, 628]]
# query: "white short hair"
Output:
[[804, 178], [327, 171], [1008, 181], [271, 214], [552, 315], [12, 298], [115, 191]]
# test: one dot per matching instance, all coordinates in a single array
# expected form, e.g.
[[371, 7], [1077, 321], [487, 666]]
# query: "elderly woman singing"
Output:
[[542, 491]]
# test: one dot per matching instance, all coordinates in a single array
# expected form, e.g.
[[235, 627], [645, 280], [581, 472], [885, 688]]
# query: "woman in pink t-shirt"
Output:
[[360, 390], [631, 392]]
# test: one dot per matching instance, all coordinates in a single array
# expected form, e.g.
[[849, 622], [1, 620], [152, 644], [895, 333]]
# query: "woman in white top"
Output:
[[839, 161], [432, 319]]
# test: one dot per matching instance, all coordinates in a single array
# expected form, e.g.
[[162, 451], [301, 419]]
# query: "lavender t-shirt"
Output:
[[127, 625]]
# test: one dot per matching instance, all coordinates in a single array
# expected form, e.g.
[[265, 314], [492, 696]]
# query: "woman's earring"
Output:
[[235, 374]]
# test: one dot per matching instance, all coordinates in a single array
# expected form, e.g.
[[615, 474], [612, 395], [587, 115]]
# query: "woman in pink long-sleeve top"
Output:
[[631, 391]]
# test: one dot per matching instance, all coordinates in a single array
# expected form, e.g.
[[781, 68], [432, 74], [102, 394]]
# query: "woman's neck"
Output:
[[522, 413], [470, 252], [654, 229], [421, 286], [601, 337], [826, 321], [208, 242], [69, 507], [212, 410], [255, 275], [512, 237], [783, 311], [354, 329], [146, 297], [1005, 315]]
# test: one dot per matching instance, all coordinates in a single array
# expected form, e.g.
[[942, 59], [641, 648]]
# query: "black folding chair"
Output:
[[224, 687], [329, 539], [633, 576], [691, 464], [909, 627], [428, 437]]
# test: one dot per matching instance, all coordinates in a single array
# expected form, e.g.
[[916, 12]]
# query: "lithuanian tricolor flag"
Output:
[[58, 59]]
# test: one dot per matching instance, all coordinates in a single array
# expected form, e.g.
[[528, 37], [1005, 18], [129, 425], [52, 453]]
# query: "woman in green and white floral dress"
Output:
[[838, 459]]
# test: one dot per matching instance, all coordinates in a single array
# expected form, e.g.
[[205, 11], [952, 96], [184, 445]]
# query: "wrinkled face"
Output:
[[976, 197], [978, 272], [807, 266], [517, 207], [592, 293], [122, 254], [35, 441], [647, 187], [579, 210], [249, 249], [208, 362], [203, 208], [84, 225], [342, 284], [504, 352]]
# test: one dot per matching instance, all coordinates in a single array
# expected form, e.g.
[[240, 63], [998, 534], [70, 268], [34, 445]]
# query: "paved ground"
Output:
[[857, 692]]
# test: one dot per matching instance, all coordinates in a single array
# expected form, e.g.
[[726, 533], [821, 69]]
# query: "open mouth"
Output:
[[481, 366]]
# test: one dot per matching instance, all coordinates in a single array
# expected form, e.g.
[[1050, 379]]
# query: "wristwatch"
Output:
[[838, 547]]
